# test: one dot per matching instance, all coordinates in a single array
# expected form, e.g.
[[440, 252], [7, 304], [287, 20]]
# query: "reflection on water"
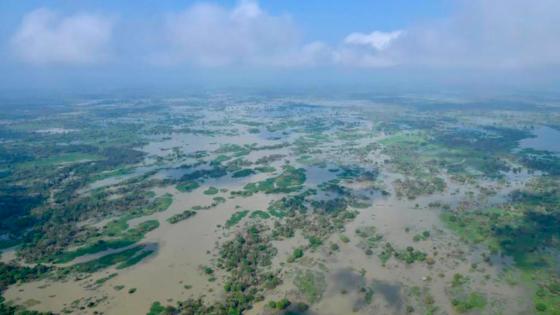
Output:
[[346, 279], [390, 292]]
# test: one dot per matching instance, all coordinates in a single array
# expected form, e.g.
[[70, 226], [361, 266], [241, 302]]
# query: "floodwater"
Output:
[[174, 272], [546, 139]]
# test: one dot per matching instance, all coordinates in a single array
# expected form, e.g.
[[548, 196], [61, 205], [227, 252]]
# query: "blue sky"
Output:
[[325, 20], [49, 43]]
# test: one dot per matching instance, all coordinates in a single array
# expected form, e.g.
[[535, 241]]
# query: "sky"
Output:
[[91, 44]]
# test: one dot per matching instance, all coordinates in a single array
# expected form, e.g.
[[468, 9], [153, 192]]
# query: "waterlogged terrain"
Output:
[[257, 205]]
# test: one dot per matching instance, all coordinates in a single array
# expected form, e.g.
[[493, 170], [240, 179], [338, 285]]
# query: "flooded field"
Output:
[[284, 207]]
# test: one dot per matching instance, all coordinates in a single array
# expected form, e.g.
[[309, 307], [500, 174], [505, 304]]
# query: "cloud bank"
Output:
[[478, 34], [486, 34], [211, 35], [47, 38], [376, 40]]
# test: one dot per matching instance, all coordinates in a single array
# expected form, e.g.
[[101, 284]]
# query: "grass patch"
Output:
[[114, 173], [290, 180], [61, 159], [135, 259], [471, 301], [187, 186], [128, 238], [106, 261], [259, 214], [157, 309], [100, 281], [296, 254], [265, 169], [243, 173], [236, 218], [311, 285], [211, 191]]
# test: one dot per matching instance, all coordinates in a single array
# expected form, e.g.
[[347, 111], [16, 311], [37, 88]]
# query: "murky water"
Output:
[[174, 272]]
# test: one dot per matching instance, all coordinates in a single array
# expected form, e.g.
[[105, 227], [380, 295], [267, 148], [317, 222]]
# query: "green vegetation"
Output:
[[10, 274], [290, 180], [280, 304], [126, 238], [116, 227], [462, 299], [114, 173], [122, 259], [219, 199], [421, 237], [236, 218], [211, 191], [243, 173], [187, 186], [369, 239], [472, 301], [159, 204], [543, 161], [412, 188], [105, 279], [259, 214], [296, 254], [135, 259], [425, 302], [311, 285], [181, 216], [520, 230], [289, 205], [408, 255], [524, 230], [265, 169], [157, 309]]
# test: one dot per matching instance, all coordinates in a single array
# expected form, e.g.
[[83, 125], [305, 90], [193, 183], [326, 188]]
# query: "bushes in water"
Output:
[[187, 186], [181, 216], [211, 190], [127, 238], [236, 218], [296, 254], [311, 284], [123, 259]]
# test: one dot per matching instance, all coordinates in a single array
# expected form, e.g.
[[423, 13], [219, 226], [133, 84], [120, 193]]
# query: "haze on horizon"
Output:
[[88, 44]]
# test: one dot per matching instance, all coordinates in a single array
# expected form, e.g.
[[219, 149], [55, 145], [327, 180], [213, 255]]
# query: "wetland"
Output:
[[228, 204]]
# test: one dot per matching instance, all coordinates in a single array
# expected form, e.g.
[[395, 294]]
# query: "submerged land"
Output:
[[227, 204]]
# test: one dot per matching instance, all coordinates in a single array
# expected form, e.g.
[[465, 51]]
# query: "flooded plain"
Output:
[[390, 254]]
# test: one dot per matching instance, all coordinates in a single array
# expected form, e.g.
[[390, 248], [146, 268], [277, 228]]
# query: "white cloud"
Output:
[[486, 34], [359, 58], [478, 33], [497, 34], [366, 50], [44, 38], [377, 40], [211, 35]]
